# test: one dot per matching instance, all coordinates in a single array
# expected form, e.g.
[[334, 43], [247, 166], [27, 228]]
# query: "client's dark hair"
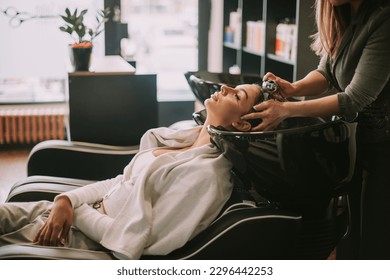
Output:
[[254, 122], [259, 99]]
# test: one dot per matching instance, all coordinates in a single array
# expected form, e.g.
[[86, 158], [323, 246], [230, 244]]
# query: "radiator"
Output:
[[31, 125]]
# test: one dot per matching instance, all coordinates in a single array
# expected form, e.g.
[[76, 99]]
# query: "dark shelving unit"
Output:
[[271, 12]]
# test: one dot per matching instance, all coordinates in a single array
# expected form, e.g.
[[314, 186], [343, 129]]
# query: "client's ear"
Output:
[[242, 125]]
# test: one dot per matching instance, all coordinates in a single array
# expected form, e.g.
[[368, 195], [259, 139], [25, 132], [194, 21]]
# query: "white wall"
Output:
[[215, 37]]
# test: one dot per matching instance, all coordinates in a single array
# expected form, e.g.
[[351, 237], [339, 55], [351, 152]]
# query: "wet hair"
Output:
[[259, 99], [254, 122]]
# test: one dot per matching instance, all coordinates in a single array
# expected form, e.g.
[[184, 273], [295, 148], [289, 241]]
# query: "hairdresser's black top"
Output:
[[361, 71]]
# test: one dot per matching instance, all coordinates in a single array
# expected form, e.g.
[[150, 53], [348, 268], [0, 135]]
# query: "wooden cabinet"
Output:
[[257, 53]]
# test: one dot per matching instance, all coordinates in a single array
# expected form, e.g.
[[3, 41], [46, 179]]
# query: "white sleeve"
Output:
[[90, 193], [91, 222]]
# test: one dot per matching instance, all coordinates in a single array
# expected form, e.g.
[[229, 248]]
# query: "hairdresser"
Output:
[[353, 41]]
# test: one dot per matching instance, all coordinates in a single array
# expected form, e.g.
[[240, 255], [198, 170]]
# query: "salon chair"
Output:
[[233, 235], [289, 201]]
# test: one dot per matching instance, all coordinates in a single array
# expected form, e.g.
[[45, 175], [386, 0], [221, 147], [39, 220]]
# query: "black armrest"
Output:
[[36, 188], [79, 160], [15, 252]]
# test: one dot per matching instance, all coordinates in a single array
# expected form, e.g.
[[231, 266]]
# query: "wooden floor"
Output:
[[13, 167]]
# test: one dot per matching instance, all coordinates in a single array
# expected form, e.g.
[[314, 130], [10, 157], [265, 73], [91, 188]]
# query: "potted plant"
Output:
[[81, 49]]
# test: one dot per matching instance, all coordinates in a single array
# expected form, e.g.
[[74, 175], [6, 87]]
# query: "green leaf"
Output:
[[68, 20], [98, 33], [83, 12], [75, 23]]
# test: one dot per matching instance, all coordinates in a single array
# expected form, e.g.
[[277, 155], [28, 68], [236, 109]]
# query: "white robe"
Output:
[[170, 201]]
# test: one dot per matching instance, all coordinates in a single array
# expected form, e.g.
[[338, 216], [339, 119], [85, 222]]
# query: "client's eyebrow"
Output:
[[246, 93]]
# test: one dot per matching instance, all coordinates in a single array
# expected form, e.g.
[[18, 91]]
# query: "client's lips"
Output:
[[214, 96]]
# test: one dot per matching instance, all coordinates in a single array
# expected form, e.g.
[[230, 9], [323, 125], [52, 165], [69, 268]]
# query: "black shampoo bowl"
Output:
[[302, 164]]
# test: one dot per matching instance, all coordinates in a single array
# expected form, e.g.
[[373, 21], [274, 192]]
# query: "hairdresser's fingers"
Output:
[[271, 112], [251, 116], [257, 128], [269, 76], [263, 105], [267, 126]]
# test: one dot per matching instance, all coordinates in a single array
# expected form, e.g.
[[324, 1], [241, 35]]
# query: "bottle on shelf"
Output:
[[255, 36], [286, 40], [233, 29], [229, 35]]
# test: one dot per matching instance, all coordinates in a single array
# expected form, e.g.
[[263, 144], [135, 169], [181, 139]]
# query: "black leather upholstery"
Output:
[[251, 231], [80, 160]]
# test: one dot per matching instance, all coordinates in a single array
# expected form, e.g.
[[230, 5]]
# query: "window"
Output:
[[163, 39], [33, 54]]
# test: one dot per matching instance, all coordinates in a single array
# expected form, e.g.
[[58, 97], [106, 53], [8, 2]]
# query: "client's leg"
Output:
[[19, 222]]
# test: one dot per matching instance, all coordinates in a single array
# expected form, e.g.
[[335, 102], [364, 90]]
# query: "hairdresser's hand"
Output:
[[271, 112], [58, 224], [286, 89]]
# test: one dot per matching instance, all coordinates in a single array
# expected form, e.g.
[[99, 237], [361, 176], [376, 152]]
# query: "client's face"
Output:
[[228, 105]]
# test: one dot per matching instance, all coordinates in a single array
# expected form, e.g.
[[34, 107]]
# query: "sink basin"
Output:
[[303, 163]]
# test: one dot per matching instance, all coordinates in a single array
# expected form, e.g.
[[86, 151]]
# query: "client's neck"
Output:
[[204, 136]]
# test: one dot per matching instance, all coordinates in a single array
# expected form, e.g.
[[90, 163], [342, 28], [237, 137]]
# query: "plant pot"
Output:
[[80, 58]]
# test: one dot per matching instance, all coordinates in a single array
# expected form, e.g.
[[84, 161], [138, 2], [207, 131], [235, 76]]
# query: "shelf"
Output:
[[231, 46], [271, 13], [279, 59], [247, 50]]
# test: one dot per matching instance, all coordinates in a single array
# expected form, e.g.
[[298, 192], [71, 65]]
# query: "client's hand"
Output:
[[58, 224]]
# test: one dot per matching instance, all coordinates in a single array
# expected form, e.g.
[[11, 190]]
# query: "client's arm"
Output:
[[60, 219], [91, 193]]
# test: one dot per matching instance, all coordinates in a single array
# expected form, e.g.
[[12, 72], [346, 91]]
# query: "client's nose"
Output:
[[224, 90]]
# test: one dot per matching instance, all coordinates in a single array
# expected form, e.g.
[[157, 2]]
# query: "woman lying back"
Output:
[[172, 189]]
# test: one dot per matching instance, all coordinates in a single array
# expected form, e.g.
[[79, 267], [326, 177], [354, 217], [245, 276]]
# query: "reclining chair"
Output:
[[289, 200], [240, 219]]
